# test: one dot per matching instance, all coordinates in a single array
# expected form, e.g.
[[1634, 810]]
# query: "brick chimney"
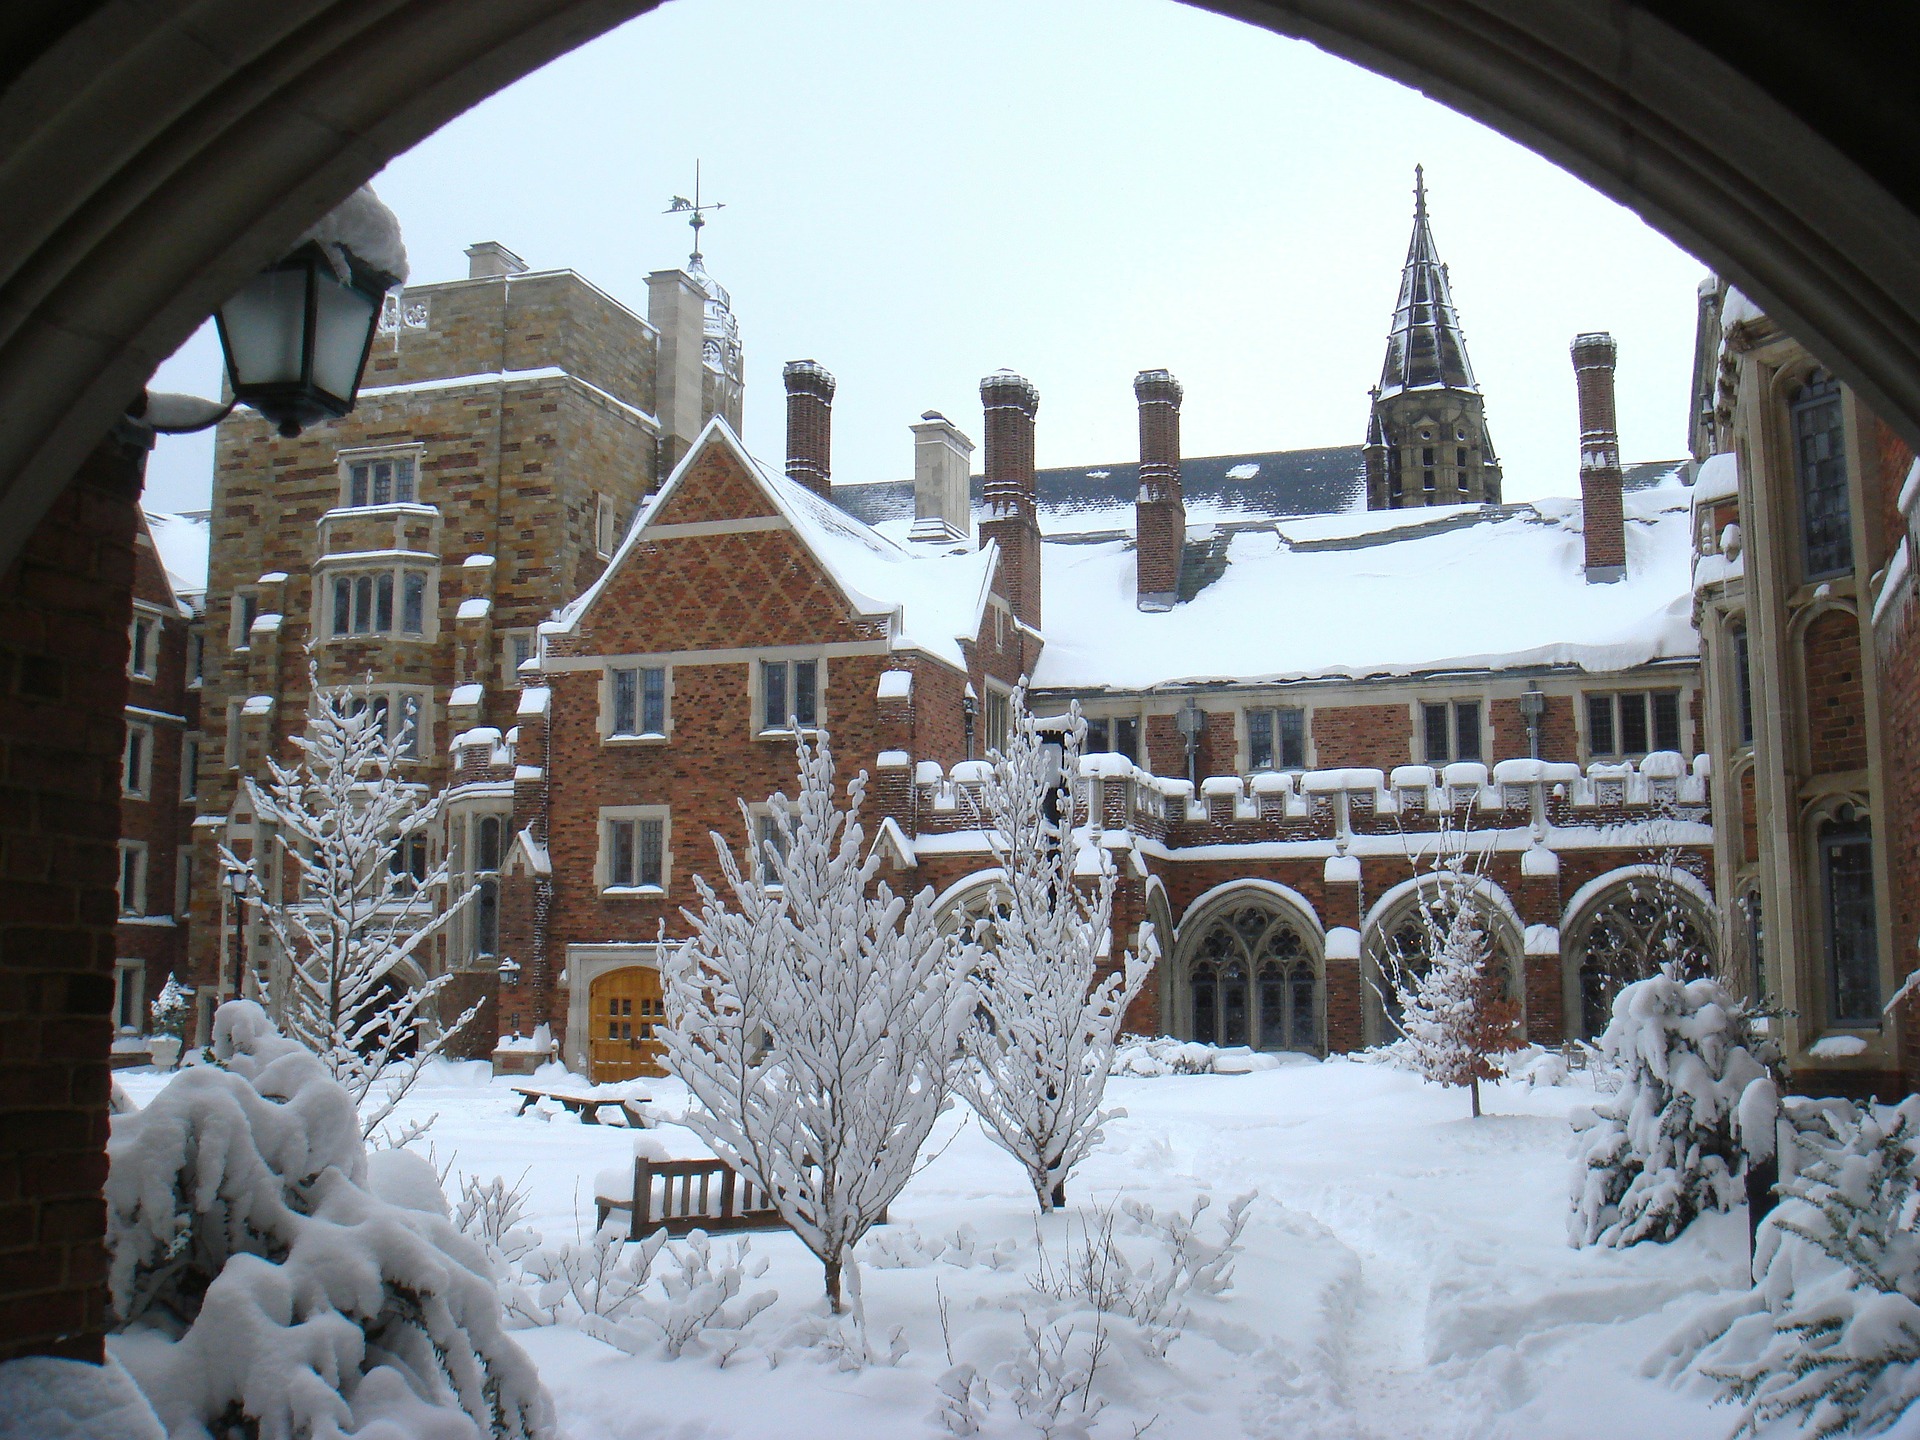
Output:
[[1601, 518], [810, 426], [942, 480], [1160, 511], [1010, 402]]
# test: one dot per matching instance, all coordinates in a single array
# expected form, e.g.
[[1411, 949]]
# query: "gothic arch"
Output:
[[1249, 968], [1778, 148], [972, 897], [1391, 928], [1619, 927]]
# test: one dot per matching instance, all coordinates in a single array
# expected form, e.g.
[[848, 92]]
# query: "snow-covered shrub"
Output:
[[1829, 1338], [171, 1010], [816, 1022], [267, 1279], [490, 1213], [1662, 1150], [1155, 1055], [902, 1247], [579, 1282], [1041, 1044], [702, 1296], [348, 911]]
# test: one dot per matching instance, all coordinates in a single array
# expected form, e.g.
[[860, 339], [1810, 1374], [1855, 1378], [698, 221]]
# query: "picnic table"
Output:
[[587, 1104]]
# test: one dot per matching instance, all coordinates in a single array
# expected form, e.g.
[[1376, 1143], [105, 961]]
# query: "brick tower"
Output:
[[1427, 441]]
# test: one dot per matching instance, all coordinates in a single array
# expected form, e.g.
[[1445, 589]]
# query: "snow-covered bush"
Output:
[[1829, 1337], [1155, 1055], [902, 1247], [1041, 1044], [171, 1009], [1662, 1150], [816, 1022], [490, 1214], [268, 1277], [348, 909]]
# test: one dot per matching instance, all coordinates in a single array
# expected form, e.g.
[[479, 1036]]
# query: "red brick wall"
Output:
[[64, 607], [1836, 718], [1363, 735]]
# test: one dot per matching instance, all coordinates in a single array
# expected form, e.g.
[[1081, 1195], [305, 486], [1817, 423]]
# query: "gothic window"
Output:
[[1252, 982], [377, 480], [1451, 731], [1743, 684], [1820, 461], [1754, 928], [1639, 927], [487, 834], [364, 602], [789, 694], [1633, 723], [638, 700], [633, 848], [1849, 927]]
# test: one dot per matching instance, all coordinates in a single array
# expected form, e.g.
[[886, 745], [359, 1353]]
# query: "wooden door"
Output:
[[625, 1009]]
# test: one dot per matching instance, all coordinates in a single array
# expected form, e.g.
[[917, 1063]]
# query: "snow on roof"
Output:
[[1396, 593], [182, 542], [1719, 479], [939, 598]]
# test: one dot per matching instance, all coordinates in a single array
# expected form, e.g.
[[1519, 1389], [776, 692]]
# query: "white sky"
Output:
[[918, 195]]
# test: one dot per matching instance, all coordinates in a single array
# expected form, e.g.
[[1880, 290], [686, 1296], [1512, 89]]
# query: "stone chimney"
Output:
[[1601, 517], [490, 259], [1160, 511], [810, 426], [942, 470], [677, 310], [1011, 402]]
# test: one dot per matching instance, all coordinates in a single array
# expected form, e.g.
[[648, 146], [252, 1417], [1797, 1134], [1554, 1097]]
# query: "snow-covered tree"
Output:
[[1662, 1149], [1041, 1044], [1829, 1338], [353, 902], [270, 1277], [171, 1009], [1452, 1000], [815, 1017]]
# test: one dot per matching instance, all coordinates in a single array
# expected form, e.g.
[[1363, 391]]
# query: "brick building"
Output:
[[159, 765], [1804, 519], [507, 429], [1482, 674]]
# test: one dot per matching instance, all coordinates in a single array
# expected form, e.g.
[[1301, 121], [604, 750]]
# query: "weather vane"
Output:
[[694, 210]]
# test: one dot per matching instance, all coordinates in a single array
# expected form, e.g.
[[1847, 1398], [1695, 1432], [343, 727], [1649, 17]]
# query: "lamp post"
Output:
[[239, 884], [1190, 721], [1533, 704]]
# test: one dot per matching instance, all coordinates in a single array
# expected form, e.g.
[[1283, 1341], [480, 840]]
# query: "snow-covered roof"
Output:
[[1389, 593], [939, 599], [182, 542]]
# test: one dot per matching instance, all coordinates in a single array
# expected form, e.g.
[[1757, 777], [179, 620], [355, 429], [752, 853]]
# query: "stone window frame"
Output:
[[466, 871], [996, 702], [1845, 812], [196, 658], [756, 690], [637, 666], [606, 525], [1109, 719], [609, 815], [1616, 721], [369, 455], [243, 610], [396, 697], [760, 830], [131, 877], [136, 761], [236, 705], [372, 566], [1452, 704], [191, 744], [1245, 726], [129, 995], [509, 667], [144, 633]]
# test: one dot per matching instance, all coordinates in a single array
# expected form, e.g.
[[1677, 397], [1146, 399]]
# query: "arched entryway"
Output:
[[1402, 929], [625, 1013], [1249, 970], [1623, 927]]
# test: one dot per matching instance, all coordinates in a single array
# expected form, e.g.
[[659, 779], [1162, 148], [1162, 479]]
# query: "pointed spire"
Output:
[[1425, 348]]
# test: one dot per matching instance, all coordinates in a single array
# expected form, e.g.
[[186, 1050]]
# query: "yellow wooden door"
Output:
[[626, 1011]]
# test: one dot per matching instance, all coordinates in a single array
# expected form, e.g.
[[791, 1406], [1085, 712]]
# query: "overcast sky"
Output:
[[918, 195]]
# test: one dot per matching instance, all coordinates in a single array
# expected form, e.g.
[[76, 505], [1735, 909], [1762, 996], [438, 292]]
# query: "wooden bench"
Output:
[[587, 1107], [688, 1195]]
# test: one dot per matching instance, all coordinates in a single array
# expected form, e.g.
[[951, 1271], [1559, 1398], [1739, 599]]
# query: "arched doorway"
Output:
[[625, 1013], [1248, 971], [1625, 926]]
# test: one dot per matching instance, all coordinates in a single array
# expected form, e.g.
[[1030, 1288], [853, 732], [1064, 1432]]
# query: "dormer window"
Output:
[[378, 480]]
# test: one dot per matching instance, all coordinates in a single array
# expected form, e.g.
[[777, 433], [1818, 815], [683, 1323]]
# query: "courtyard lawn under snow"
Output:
[[1406, 1272]]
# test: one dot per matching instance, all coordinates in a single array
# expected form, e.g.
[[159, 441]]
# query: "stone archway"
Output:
[[1249, 969], [1622, 927], [1396, 939]]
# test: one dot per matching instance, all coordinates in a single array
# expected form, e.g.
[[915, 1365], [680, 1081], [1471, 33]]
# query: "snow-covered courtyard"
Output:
[[1405, 1271]]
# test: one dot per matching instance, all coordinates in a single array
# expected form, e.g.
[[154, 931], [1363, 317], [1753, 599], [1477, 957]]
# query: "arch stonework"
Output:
[[1579, 966], [1286, 936], [1396, 907], [145, 169]]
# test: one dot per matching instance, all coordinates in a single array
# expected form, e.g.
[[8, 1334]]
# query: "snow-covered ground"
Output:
[[1406, 1272]]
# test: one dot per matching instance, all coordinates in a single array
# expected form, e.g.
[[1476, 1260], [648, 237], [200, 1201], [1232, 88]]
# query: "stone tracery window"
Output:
[[1251, 981], [1638, 927]]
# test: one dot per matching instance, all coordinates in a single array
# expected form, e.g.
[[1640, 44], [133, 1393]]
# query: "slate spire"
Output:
[[1425, 348]]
